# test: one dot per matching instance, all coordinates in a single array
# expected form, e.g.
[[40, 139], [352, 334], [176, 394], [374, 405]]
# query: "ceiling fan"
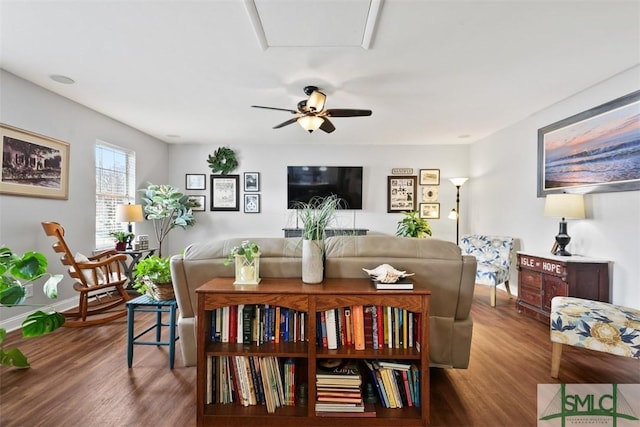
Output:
[[311, 114]]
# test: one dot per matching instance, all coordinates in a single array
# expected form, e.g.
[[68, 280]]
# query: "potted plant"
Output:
[[247, 262], [16, 272], [412, 225], [122, 238], [316, 215], [167, 208], [153, 277]]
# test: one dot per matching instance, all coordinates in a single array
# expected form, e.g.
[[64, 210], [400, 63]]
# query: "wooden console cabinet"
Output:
[[540, 278], [311, 299]]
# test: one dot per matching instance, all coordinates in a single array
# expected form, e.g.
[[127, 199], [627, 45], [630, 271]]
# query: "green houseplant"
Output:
[[412, 225], [16, 272], [316, 215], [167, 208], [152, 276], [247, 262], [122, 238]]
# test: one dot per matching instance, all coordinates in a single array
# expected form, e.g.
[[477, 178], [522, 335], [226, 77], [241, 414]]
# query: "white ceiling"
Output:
[[434, 71]]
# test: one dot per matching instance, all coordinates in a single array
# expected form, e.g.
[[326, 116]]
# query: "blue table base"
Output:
[[147, 304]]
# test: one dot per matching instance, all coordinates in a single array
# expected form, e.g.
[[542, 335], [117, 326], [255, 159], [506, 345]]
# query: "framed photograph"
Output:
[[202, 202], [195, 181], [401, 193], [251, 181], [33, 165], [429, 193], [595, 151], [430, 210], [251, 203], [225, 194], [429, 176]]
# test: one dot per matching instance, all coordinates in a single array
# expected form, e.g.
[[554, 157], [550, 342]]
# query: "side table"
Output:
[[136, 255], [144, 303]]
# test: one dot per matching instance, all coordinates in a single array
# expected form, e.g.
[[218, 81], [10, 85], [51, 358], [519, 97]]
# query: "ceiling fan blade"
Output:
[[327, 126], [275, 108], [346, 112], [287, 123]]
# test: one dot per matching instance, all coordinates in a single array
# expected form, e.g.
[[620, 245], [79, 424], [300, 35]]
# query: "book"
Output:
[[368, 326], [401, 284], [348, 325], [339, 407], [369, 411], [332, 336], [357, 313]]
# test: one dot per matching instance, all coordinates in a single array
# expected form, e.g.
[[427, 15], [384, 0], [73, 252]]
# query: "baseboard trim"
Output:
[[15, 322]]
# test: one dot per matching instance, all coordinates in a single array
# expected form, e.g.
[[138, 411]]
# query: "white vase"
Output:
[[312, 263]]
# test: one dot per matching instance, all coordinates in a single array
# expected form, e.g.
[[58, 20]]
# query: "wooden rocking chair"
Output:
[[100, 279]]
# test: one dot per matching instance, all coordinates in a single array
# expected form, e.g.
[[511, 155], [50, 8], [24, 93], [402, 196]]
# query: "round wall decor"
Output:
[[223, 160]]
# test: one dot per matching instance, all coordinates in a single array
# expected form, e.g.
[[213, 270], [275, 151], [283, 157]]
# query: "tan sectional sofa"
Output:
[[438, 266]]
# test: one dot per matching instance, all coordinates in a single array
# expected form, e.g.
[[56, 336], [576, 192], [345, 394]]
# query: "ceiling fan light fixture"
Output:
[[316, 101], [310, 123]]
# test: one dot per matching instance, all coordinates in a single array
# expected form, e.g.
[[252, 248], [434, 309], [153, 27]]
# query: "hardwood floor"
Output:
[[79, 377]]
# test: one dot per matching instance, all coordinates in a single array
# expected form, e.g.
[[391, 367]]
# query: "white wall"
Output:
[[32, 108], [504, 198], [272, 161]]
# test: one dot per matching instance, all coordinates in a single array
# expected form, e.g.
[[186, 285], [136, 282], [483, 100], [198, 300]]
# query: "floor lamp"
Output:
[[458, 182]]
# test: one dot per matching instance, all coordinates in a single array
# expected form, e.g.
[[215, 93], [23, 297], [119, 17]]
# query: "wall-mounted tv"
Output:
[[305, 182]]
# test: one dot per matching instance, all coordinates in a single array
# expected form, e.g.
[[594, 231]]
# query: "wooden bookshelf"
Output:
[[293, 294]]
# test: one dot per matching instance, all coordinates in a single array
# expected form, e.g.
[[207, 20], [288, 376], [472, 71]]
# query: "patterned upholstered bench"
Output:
[[594, 325], [493, 254]]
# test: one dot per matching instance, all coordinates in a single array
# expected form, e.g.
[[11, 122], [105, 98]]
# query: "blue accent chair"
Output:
[[494, 256]]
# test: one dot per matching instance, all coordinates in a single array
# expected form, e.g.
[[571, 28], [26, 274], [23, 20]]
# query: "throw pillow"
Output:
[[88, 273]]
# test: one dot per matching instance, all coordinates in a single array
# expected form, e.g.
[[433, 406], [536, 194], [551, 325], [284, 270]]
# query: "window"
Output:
[[115, 184]]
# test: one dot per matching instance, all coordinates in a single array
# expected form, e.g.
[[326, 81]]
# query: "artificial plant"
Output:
[[412, 225], [16, 272], [167, 208]]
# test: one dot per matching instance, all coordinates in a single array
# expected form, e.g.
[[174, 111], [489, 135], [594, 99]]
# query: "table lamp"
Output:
[[564, 206], [129, 213]]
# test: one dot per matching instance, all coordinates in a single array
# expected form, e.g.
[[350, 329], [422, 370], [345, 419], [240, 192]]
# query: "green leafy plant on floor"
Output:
[[167, 208], [411, 225], [16, 272]]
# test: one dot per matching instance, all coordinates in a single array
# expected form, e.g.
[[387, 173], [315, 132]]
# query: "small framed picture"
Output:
[[225, 194], [251, 181], [401, 193], [429, 176], [195, 181], [429, 193], [251, 203], [201, 201], [430, 210]]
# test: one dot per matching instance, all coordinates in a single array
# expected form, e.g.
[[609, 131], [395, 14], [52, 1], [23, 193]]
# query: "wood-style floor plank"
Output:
[[79, 377]]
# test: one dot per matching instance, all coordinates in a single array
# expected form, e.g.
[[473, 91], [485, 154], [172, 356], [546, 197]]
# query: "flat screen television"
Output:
[[306, 182]]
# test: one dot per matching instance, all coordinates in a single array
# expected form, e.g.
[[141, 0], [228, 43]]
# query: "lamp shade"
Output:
[[453, 214], [564, 206], [310, 123], [458, 182], [129, 213]]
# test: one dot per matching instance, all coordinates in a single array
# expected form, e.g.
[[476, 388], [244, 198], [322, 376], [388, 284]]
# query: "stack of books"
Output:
[[339, 389], [400, 284], [397, 383]]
